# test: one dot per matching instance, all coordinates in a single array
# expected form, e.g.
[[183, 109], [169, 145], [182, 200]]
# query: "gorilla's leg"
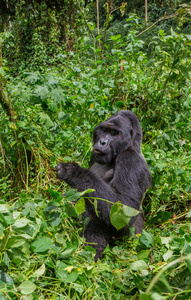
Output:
[[96, 233], [139, 223]]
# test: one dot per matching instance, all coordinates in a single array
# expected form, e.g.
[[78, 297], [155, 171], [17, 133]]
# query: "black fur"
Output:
[[118, 172]]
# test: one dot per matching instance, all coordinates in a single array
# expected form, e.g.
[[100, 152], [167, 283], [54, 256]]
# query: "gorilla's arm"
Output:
[[130, 180], [82, 179]]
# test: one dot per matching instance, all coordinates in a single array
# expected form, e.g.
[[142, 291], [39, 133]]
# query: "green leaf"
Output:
[[187, 250], [17, 242], [130, 211], [41, 91], [138, 265], [161, 164], [185, 72], [120, 215], [57, 96], [3, 209], [52, 80], [5, 216], [99, 62], [41, 244], [145, 297], [143, 254], [166, 240], [1, 233], [55, 219], [40, 271], [6, 278], [116, 37], [78, 287], [67, 159], [86, 192], [154, 296], [60, 238], [64, 274], [2, 72], [188, 214], [2, 296], [72, 195], [168, 255], [116, 217], [95, 207], [83, 91], [20, 223], [32, 77], [120, 104], [98, 37], [161, 216], [80, 206], [71, 277], [27, 287], [146, 239], [54, 194], [67, 253], [46, 120]]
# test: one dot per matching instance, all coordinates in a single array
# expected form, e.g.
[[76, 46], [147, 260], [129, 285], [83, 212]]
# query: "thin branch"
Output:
[[3, 155], [97, 16], [89, 29], [146, 19], [3, 99], [105, 31], [97, 1], [114, 10], [164, 87], [167, 79], [162, 18]]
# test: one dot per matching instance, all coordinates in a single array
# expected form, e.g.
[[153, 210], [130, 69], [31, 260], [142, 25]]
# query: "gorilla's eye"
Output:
[[109, 131], [103, 129], [114, 132]]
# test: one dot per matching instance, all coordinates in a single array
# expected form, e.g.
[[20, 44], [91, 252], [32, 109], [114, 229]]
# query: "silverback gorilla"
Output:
[[117, 172]]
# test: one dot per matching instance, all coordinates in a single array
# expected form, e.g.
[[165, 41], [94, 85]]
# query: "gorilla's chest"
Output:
[[106, 172]]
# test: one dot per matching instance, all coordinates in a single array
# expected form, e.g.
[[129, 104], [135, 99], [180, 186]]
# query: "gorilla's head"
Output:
[[115, 135]]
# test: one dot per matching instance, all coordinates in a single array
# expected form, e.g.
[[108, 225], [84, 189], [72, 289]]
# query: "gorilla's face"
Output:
[[111, 138]]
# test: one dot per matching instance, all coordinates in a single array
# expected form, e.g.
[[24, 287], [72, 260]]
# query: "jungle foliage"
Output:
[[61, 73]]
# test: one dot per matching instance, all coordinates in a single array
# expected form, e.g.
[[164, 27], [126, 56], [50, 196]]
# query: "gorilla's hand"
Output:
[[65, 170]]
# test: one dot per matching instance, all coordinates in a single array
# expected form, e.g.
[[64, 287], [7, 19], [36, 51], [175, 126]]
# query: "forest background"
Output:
[[64, 67]]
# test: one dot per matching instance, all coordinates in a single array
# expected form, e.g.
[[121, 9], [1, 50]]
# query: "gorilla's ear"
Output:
[[137, 130]]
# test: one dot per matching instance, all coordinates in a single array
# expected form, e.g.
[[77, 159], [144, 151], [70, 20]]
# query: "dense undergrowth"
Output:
[[49, 115]]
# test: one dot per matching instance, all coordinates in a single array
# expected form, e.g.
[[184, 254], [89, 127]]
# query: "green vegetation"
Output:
[[61, 73]]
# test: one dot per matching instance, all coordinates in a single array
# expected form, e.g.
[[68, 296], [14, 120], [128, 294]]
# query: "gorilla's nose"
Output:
[[103, 142]]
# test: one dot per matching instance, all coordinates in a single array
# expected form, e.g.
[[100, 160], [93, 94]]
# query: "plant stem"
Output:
[[97, 2], [146, 12], [89, 29], [172, 263]]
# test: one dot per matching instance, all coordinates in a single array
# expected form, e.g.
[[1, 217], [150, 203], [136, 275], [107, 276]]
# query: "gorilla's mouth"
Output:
[[97, 151]]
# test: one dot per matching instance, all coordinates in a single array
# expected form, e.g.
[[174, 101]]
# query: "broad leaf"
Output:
[[27, 287], [80, 206], [41, 244], [120, 215], [146, 239]]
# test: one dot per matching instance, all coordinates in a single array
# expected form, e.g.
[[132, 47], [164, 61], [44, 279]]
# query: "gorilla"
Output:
[[117, 172]]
